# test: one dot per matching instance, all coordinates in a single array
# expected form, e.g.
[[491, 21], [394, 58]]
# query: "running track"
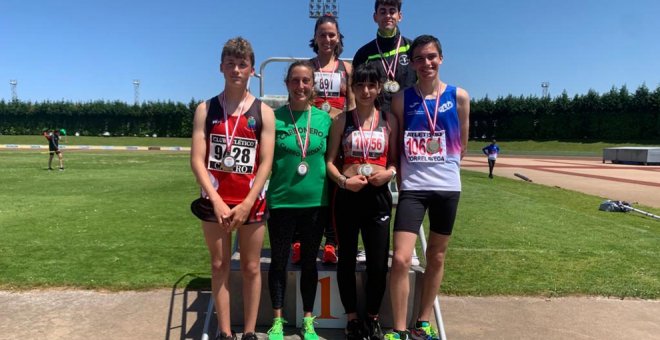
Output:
[[633, 183]]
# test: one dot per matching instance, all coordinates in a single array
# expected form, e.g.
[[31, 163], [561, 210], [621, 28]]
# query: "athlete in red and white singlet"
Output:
[[231, 156]]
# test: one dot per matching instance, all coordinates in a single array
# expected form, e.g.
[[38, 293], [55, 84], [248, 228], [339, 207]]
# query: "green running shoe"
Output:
[[399, 335], [308, 332], [276, 331], [392, 336], [425, 326]]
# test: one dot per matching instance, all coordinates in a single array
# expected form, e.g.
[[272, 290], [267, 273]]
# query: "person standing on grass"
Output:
[[434, 120], [388, 51], [491, 151], [297, 194], [231, 158], [53, 137], [367, 137], [331, 77]]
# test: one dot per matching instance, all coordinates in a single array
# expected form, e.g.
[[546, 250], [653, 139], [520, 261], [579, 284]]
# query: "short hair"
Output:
[[423, 40], [396, 3], [320, 21], [303, 63], [238, 47], [367, 73]]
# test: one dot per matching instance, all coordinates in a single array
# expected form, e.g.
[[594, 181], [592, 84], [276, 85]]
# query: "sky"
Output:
[[82, 50]]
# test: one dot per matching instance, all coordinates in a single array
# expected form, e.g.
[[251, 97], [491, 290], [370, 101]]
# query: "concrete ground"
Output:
[[179, 314]]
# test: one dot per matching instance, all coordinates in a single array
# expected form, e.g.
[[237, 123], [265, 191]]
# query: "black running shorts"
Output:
[[412, 206]]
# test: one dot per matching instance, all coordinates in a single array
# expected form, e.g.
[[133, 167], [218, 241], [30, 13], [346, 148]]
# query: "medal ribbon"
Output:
[[426, 109], [390, 69], [303, 147], [325, 89], [230, 140], [365, 151]]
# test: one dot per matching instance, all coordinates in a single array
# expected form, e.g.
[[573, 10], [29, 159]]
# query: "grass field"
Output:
[[120, 220]]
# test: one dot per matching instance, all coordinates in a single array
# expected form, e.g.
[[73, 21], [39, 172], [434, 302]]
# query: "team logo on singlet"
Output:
[[252, 123], [403, 59]]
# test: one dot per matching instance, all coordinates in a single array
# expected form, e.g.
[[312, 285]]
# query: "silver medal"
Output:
[[433, 146], [392, 86], [326, 106], [229, 162], [303, 167], [366, 170]]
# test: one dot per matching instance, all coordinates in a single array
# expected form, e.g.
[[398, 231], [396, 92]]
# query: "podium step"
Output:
[[328, 305]]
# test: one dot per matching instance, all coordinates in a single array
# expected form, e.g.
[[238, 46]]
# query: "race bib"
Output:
[[243, 150], [376, 147], [492, 156], [327, 84], [417, 149]]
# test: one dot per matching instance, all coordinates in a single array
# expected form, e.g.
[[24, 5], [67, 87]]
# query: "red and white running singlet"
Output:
[[233, 184], [352, 142]]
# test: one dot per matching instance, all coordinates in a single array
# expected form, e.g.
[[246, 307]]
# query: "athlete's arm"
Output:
[[334, 140], [241, 212], [463, 100], [198, 166], [350, 98], [393, 154], [397, 111], [382, 177]]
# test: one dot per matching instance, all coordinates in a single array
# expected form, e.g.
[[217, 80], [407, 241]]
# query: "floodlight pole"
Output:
[[136, 88], [13, 83], [545, 86]]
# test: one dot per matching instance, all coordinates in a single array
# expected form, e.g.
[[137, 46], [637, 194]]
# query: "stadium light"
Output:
[[13, 83], [319, 8]]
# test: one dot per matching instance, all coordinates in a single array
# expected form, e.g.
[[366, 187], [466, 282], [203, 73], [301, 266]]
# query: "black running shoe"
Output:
[[374, 331], [249, 336], [354, 330], [224, 336]]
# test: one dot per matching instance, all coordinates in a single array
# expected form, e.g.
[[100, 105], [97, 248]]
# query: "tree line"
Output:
[[614, 115]]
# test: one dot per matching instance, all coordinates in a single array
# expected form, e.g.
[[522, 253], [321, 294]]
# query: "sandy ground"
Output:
[[179, 313]]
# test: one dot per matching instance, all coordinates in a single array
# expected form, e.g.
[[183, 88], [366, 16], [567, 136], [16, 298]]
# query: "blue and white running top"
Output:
[[426, 167]]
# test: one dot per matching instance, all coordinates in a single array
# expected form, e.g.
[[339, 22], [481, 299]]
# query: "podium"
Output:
[[327, 306]]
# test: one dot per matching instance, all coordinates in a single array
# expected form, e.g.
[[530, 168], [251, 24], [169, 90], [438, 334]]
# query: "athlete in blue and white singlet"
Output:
[[421, 170], [435, 123]]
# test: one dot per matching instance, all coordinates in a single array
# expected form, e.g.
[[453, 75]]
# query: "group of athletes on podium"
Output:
[[329, 154]]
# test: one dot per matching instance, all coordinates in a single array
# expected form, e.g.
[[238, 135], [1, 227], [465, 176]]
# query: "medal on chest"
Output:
[[303, 166]]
